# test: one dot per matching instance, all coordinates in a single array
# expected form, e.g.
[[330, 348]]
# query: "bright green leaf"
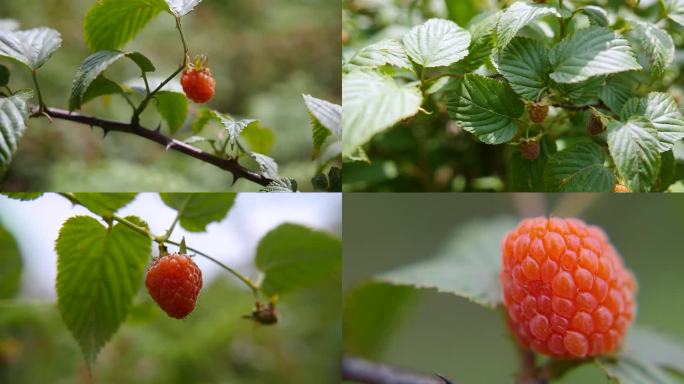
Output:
[[517, 16], [259, 138], [468, 265], [13, 117], [675, 10], [580, 168], [10, 265], [32, 47], [234, 127], [104, 204], [384, 52], [482, 31], [591, 52], [23, 196], [98, 275], [525, 64], [267, 166], [371, 103], [634, 148], [110, 24], [173, 108], [656, 42], [661, 110], [485, 107], [281, 185], [326, 120], [199, 209], [437, 43]]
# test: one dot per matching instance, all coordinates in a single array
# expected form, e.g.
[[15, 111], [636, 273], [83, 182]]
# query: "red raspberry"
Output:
[[197, 82], [621, 188], [530, 150], [537, 112], [566, 290], [174, 281]]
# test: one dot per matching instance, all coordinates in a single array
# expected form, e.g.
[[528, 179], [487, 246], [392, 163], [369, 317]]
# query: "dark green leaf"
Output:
[[528, 175], [525, 64], [199, 209], [10, 265], [173, 108], [101, 86], [4, 75], [13, 117], [580, 168], [104, 204]]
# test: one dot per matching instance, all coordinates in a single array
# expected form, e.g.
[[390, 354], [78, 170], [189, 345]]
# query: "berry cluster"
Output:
[[566, 290]]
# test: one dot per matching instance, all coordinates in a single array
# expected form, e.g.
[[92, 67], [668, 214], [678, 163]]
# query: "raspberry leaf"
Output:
[[32, 47], [525, 64], [657, 44], [259, 138], [517, 16], [580, 168], [661, 110], [618, 89], [482, 31], [13, 117], [10, 265], [384, 52], [197, 210], [647, 345], [437, 43], [468, 264], [326, 119], [526, 175], [23, 196], [173, 108], [485, 107], [98, 274], [293, 257], [675, 10], [634, 148], [104, 204], [182, 7], [365, 93], [267, 166], [110, 24], [281, 185], [4, 75], [591, 52]]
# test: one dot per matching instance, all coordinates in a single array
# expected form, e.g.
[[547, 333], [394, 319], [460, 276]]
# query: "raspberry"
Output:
[[174, 281], [197, 82], [621, 188], [537, 112], [595, 126], [566, 290], [530, 149]]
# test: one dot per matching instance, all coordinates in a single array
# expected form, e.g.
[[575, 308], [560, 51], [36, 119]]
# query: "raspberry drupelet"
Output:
[[566, 290]]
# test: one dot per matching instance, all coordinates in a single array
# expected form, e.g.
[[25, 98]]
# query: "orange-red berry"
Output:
[[537, 112], [174, 281], [566, 290], [198, 84]]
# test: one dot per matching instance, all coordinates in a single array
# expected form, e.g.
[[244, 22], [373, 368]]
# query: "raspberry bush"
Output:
[[239, 146], [437, 95], [103, 259]]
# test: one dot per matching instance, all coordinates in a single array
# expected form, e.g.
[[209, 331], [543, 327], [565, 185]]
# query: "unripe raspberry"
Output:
[[197, 82], [174, 281], [566, 290], [537, 112], [530, 149], [595, 126], [621, 188]]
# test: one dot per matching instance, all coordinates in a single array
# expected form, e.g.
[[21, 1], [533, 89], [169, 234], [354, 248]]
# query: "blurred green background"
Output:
[[446, 334], [264, 55]]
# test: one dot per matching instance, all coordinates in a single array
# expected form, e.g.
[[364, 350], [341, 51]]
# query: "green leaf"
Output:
[[98, 275], [267, 166], [661, 110], [182, 7], [110, 24], [23, 196], [371, 314], [234, 127], [173, 108], [675, 10], [13, 118], [101, 86], [528, 175], [364, 94], [199, 209], [580, 168], [326, 119], [32, 47], [525, 64], [591, 52], [468, 265], [204, 116], [667, 173], [485, 107], [657, 44], [517, 16], [482, 31], [647, 345], [437, 43], [281, 185], [634, 148], [4, 75], [10, 265], [582, 93], [104, 204], [618, 89], [259, 138], [294, 257], [597, 15], [91, 68], [627, 370], [384, 52]]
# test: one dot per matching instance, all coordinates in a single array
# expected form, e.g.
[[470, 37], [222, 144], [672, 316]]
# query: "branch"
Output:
[[364, 371], [230, 165]]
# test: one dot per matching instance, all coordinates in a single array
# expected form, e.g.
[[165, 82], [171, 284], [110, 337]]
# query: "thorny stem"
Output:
[[364, 371], [160, 239]]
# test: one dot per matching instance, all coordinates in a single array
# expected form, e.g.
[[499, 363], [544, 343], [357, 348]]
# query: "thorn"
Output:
[[44, 113], [105, 133], [158, 128], [169, 145], [235, 179]]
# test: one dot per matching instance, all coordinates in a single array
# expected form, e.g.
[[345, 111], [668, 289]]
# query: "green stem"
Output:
[[179, 212], [147, 84], [136, 115], [34, 75], [186, 52], [562, 21]]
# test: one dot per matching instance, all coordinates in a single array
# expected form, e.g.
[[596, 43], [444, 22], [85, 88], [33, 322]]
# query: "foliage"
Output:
[[435, 96]]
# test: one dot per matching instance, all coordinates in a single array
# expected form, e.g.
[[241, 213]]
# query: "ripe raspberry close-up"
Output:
[[174, 281], [197, 82], [566, 290]]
